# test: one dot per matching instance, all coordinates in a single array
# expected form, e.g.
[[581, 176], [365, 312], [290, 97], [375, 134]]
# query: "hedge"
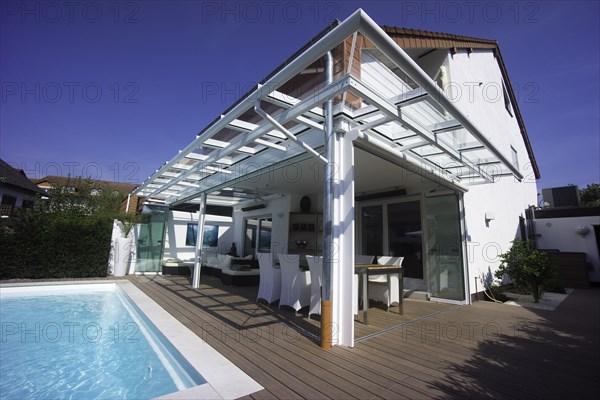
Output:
[[37, 245]]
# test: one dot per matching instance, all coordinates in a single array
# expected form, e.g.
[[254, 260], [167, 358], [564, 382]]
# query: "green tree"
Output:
[[590, 195], [526, 267]]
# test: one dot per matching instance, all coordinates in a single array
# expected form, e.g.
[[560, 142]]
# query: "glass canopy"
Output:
[[384, 95]]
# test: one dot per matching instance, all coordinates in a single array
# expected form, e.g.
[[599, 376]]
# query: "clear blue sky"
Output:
[[113, 89]]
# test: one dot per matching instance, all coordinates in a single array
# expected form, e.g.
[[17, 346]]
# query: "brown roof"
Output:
[[415, 38], [17, 178], [96, 184]]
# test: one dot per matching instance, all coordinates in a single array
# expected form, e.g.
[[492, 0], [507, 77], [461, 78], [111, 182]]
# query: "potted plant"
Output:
[[526, 267]]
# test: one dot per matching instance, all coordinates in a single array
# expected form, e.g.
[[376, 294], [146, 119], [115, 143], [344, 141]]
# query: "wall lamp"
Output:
[[489, 217], [582, 230]]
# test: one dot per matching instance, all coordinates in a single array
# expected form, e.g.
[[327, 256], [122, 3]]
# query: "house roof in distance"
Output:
[[17, 178], [52, 180]]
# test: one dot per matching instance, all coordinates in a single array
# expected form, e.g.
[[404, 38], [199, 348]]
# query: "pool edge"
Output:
[[223, 378]]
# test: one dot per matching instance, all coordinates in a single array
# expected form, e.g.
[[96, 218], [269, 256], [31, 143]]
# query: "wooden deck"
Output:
[[483, 350]]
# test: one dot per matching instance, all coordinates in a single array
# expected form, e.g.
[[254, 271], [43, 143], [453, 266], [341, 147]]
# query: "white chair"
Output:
[[383, 289], [315, 265], [295, 284], [360, 259], [269, 288]]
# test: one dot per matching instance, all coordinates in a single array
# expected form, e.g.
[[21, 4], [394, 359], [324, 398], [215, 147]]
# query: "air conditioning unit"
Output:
[[254, 206], [565, 196]]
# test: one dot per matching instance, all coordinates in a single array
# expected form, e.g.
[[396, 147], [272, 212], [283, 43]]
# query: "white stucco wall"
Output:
[[506, 199], [176, 231], [560, 233], [474, 83], [19, 195]]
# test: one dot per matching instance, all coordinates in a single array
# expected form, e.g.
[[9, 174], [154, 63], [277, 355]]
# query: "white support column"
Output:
[[199, 241], [343, 240]]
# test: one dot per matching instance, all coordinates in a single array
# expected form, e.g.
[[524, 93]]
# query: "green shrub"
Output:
[[67, 236], [526, 267]]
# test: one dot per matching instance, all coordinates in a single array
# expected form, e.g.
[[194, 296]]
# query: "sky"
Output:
[[113, 89]]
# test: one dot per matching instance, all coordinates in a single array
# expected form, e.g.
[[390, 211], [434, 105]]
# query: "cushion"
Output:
[[224, 260], [240, 267], [249, 257], [212, 260]]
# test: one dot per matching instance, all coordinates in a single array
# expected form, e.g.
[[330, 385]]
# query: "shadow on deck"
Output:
[[483, 350]]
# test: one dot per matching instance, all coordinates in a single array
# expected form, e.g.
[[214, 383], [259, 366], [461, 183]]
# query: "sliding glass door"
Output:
[[444, 261], [425, 231], [394, 229], [150, 239]]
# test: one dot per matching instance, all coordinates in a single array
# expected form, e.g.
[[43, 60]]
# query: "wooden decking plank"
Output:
[[281, 383], [392, 365], [439, 354]]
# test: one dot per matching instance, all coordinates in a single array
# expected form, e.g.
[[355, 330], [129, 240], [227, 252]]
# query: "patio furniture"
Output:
[[269, 288], [366, 270], [385, 287], [295, 283], [315, 265], [240, 277], [361, 259]]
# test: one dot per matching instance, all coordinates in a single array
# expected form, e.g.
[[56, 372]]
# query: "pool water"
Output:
[[86, 344]]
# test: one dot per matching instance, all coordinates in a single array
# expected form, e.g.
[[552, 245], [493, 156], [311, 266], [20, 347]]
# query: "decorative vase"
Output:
[[305, 204]]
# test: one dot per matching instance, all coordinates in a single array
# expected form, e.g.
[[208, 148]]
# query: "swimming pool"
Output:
[[91, 342]]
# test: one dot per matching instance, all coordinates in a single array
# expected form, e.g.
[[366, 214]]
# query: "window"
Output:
[[9, 200], [211, 235], [515, 157], [257, 237]]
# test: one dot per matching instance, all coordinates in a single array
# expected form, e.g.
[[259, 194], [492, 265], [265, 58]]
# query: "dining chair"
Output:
[[362, 259], [295, 284], [269, 288], [384, 287], [315, 266]]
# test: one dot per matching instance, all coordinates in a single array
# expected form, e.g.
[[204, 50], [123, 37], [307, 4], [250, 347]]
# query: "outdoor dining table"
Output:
[[364, 271]]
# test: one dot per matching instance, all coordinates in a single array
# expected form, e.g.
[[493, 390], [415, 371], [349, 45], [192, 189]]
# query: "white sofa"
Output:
[[216, 263]]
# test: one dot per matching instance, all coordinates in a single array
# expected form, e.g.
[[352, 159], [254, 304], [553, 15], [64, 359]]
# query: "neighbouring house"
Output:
[[570, 234], [16, 190], [48, 182], [368, 141]]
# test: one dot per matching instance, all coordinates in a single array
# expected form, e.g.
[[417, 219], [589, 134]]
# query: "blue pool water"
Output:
[[90, 344]]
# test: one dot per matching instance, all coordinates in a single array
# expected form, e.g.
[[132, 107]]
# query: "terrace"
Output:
[[473, 351]]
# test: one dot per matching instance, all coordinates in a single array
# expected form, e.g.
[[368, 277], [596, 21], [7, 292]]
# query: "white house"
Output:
[[405, 142]]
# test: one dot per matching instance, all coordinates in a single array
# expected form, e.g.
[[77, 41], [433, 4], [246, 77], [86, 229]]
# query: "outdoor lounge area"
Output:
[[483, 350], [354, 146]]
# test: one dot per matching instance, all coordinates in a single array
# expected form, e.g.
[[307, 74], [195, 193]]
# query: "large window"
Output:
[[257, 235], [210, 239]]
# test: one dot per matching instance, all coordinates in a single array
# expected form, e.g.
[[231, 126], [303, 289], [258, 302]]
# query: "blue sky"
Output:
[[113, 89]]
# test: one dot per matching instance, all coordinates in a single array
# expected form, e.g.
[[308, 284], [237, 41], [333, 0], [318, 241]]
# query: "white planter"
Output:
[[123, 255]]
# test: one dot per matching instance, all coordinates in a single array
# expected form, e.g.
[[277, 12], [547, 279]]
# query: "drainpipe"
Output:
[[328, 201], [128, 203]]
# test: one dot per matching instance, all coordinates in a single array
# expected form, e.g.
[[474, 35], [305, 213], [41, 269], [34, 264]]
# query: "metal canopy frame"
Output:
[[274, 124]]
